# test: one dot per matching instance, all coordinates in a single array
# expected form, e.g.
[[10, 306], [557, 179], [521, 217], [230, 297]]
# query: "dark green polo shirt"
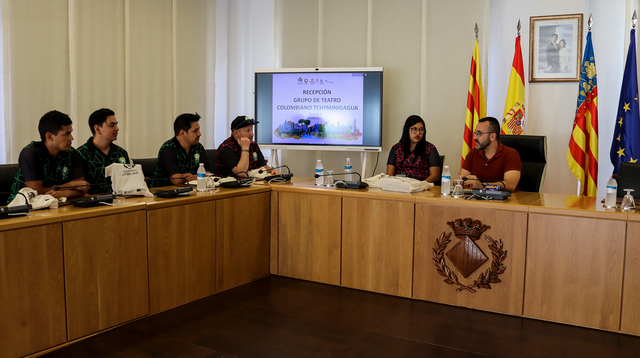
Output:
[[94, 161], [173, 159], [36, 163]]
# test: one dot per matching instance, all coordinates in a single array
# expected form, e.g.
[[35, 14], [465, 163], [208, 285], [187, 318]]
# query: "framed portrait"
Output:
[[555, 48]]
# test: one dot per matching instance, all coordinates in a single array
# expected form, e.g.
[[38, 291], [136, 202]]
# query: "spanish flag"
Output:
[[476, 106], [514, 112], [582, 154]]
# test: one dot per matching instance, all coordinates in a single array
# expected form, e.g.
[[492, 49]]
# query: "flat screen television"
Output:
[[319, 108]]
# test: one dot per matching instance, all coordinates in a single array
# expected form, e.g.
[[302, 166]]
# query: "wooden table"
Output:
[[552, 257], [70, 272]]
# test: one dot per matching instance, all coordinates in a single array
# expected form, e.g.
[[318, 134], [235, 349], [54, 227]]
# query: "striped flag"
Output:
[[514, 113], [582, 153], [626, 135], [476, 106]]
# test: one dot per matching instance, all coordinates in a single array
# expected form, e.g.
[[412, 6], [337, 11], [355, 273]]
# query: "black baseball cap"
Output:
[[241, 122]]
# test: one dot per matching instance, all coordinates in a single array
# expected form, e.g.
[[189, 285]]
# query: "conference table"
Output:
[[69, 273]]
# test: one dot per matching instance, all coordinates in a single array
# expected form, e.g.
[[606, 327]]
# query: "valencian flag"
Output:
[[626, 135], [514, 113], [582, 154], [476, 106]]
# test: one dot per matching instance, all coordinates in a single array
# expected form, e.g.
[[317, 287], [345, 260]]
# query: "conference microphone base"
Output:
[[174, 193], [278, 177], [490, 195], [240, 183], [351, 184], [91, 201]]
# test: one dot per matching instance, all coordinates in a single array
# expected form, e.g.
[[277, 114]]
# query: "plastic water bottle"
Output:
[[202, 186], [612, 191], [319, 171], [347, 169], [445, 187]]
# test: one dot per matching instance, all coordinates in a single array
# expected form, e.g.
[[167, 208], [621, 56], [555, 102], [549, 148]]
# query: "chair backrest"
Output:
[[629, 179], [211, 157], [533, 154], [439, 181], [148, 166], [7, 177]]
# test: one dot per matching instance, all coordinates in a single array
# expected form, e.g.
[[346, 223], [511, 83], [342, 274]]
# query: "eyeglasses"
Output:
[[478, 133], [415, 130]]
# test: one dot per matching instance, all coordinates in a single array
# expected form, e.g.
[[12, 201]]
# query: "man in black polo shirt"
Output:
[[180, 156], [99, 151], [239, 153], [53, 161]]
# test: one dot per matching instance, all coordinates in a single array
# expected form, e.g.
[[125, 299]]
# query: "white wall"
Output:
[[150, 60]]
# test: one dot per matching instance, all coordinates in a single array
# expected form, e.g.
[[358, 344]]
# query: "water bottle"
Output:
[[612, 191], [347, 169], [445, 187], [319, 171], [202, 185]]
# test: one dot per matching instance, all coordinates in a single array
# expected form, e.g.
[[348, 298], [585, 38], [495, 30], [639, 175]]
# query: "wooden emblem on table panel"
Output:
[[467, 256]]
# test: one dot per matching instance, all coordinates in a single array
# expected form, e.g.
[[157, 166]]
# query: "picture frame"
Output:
[[555, 48]]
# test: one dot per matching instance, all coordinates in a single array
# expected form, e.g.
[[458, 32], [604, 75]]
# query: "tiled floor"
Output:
[[281, 317]]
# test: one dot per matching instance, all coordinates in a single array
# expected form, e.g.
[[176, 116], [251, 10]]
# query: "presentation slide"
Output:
[[317, 108]]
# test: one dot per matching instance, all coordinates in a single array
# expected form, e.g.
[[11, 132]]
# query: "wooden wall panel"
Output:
[[508, 226], [31, 290], [105, 271], [574, 270], [309, 241], [377, 245], [182, 254], [630, 318], [242, 239]]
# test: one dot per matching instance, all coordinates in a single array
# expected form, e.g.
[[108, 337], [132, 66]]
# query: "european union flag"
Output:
[[626, 136]]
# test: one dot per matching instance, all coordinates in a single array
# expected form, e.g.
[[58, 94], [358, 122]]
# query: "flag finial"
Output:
[[476, 30], [634, 19], [590, 21], [519, 27]]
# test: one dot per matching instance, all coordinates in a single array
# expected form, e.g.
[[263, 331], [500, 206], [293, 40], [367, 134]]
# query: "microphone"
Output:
[[59, 187], [484, 182], [8, 211], [283, 176], [88, 201], [344, 184], [171, 193]]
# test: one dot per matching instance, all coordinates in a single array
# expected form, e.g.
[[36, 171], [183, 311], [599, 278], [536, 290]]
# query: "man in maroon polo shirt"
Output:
[[491, 162]]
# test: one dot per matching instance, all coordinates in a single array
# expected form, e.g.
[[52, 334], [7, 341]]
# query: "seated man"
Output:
[[52, 161], [99, 151], [239, 153], [180, 156], [491, 162]]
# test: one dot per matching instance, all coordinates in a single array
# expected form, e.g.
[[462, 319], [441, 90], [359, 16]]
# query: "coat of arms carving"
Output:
[[466, 256]]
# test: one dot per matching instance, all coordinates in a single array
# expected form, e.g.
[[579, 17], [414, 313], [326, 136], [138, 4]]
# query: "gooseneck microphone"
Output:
[[344, 184], [277, 177], [171, 193], [63, 187], [88, 201], [15, 210], [484, 182]]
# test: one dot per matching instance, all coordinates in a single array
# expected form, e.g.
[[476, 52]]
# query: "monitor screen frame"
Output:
[[376, 147]]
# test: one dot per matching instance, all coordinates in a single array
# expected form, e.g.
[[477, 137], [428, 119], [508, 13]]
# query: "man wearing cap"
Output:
[[99, 151], [51, 162], [239, 153], [180, 156]]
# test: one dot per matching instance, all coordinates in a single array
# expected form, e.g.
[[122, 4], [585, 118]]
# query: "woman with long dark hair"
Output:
[[413, 156]]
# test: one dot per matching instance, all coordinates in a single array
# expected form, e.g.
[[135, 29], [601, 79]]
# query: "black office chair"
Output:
[[148, 166], [211, 157], [629, 179], [533, 154], [439, 181]]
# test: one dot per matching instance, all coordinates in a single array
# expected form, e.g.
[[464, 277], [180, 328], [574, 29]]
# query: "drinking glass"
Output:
[[329, 179], [457, 189], [628, 203]]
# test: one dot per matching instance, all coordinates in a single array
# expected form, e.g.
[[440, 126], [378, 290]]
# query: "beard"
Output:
[[482, 145]]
